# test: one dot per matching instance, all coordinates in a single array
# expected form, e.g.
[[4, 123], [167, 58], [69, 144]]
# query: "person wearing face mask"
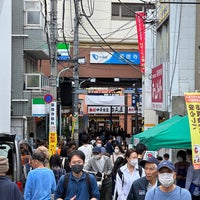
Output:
[[140, 187], [167, 190], [101, 165], [128, 173], [117, 153], [99, 143], [181, 168], [77, 185]]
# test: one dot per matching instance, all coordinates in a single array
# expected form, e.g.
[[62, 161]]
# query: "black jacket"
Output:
[[139, 189]]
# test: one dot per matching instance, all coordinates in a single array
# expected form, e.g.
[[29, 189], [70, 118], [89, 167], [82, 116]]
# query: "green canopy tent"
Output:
[[173, 133]]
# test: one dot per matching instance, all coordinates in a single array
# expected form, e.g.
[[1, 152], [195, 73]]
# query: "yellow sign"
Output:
[[193, 108], [52, 142]]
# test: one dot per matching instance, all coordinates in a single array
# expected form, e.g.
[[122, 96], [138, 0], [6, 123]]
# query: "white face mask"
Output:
[[116, 150], [166, 179], [96, 157], [188, 159], [134, 162], [98, 145], [180, 159]]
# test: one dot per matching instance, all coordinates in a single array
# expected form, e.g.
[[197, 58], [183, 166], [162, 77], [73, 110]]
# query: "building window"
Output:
[[125, 10], [33, 13]]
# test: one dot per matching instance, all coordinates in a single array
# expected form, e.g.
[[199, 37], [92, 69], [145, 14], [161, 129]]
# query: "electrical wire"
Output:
[[45, 27], [90, 7], [136, 68]]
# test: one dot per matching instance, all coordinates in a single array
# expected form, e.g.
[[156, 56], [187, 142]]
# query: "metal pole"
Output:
[[53, 48], [53, 88], [76, 74]]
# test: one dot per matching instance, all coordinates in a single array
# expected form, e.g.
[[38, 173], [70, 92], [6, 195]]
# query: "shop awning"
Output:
[[173, 133]]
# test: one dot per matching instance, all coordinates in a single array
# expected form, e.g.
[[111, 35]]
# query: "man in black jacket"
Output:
[[8, 189], [140, 187]]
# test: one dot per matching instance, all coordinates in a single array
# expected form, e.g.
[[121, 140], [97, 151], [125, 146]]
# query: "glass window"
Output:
[[115, 9], [33, 13], [32, 5], [33, 17], [125, 10]]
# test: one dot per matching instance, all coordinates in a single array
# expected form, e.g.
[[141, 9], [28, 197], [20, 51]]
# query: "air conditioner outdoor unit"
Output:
[[36, 81]]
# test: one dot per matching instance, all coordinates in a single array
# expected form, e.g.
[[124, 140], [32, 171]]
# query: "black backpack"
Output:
[[66, 181]]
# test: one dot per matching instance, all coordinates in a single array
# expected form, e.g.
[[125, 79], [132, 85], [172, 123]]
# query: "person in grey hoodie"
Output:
[[101, 165]]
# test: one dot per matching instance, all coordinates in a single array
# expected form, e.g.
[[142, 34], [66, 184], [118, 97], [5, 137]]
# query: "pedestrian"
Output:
[[140, 187], [120, 161], [101, 165], [167, 190], [40, 183], [166, 156], [66, 150], [32, 141], [193, 182], [141, 150], [86, 148], [128, 173], [159, 158], [99, 143], [8, 190], [189, 155], [44, 150], [117, 153], [75, 185], [55, 165], [181, 168], [109, 145]]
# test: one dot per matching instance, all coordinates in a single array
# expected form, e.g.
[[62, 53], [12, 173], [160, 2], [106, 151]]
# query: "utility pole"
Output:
[[75, 131], [53, 48], [53, 85]]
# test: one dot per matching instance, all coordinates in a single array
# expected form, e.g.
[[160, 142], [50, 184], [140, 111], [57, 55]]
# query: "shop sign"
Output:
[[121, 58], [39, 108], [106, 109], [193, 108], [131, 109], [52, 116], [157, 87]]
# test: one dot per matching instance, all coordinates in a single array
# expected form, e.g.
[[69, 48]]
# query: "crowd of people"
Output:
[[103, 170]]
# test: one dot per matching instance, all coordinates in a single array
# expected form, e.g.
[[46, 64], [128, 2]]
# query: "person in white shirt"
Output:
[[128, 173], [86, 148]]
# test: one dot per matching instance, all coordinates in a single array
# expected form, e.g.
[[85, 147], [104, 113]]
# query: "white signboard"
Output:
[[106, 109], [52, 116], [104, 100]]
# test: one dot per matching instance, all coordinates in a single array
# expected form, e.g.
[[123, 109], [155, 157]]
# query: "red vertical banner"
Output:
[[140, 17]]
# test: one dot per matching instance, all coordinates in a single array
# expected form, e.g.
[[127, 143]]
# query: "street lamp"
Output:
[[57, 84], [92, 80], [58, 76]]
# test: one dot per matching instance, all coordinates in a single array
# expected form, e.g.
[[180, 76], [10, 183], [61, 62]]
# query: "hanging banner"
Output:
[[140, 25], [193, 108]]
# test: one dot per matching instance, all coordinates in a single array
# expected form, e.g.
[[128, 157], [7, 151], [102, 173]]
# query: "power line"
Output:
[[136, 68]]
